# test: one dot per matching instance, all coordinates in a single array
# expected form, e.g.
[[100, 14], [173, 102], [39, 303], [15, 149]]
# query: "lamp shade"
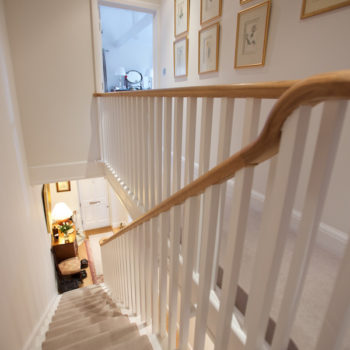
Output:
[[61, 211]]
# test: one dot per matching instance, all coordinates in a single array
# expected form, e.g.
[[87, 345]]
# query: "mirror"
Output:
[[134, 80], [133, 76]]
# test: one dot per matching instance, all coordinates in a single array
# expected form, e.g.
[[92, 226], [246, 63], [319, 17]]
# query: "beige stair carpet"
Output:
[[87, 319]]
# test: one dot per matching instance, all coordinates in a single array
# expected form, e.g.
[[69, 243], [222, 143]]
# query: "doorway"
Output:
[[127, 48]]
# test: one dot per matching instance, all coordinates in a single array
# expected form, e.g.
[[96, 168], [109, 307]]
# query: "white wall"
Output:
[[26, 269], [51, 45], [296, 49]]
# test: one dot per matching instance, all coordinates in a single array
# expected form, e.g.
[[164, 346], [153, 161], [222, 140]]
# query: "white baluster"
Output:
[[188, 246], [132, 270], [274, 227], [137, 270], [325, 153], [125, 275], [167, 147], [178, 121], [148, 272], [145, 145], [175, 217], [128, 268], [204, 157], [225, 130], [151, 174], [211, 201], [163, 271], [155, 275], [142, 272], [191, 115], [205, 140], [133, 145], [158, 149], [238, 223]]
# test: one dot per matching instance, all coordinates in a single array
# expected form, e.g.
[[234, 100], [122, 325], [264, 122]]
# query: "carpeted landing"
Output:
[[88, 319]]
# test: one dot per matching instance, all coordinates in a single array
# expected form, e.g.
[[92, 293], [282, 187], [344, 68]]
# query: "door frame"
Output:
[[137, 5]]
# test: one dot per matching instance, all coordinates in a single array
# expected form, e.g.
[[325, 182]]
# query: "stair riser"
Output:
[[85, 332], [83, 301]]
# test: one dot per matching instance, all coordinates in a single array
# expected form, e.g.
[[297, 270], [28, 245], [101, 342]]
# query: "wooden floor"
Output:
[[83, 254], [96, 231]]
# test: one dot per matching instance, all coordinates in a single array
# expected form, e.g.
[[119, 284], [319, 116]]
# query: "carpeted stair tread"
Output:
[[139, 343], [85, 298], [84, 332], [106, 310], [95, 308], [85, 322], [81, 291], [104, 340], [69, 298], [88, 319]]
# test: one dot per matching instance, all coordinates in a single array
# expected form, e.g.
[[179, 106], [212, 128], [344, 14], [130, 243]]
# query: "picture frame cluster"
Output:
[[180, 45], [252, 26]]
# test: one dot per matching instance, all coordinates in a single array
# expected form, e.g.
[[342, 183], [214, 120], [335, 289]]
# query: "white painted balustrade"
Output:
[[164, 267]]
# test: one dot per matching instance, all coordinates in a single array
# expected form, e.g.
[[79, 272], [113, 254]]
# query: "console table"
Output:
[[62, 250]]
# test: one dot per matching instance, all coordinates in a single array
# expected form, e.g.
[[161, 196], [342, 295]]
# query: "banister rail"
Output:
[[309, 91], [266, 90]]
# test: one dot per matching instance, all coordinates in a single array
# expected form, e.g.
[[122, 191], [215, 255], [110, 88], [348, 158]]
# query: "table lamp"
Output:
[[61, 212]]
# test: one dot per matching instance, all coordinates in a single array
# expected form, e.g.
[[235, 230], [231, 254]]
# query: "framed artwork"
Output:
[[251, 35], [182, 15], [63, 186], [315, 7], [208, 49], [46, 198], [210, 10], [180, 57]]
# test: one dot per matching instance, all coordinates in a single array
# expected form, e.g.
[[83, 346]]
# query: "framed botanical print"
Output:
[[63, 186], [315, 7], [210, 10], [208, 49], [180, 57], [251, 35], [182, 15]]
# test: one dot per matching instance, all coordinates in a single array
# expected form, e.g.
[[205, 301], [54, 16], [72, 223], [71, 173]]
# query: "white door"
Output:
[[94, 203]]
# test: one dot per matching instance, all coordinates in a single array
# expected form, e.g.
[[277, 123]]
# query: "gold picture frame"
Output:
[[208, 39], [210, 12], [180, 52], [251, 35], [312, 8], [63, 186], [46, 197], [242, 2], [181, 17]]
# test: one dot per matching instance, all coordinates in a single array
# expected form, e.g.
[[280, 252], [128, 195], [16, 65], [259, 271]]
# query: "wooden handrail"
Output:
[[266, 90], [312, 90]]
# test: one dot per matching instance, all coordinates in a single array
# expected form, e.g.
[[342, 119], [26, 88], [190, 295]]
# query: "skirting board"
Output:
[[131, 205], [329, 237], [37, 337], [65, 171]]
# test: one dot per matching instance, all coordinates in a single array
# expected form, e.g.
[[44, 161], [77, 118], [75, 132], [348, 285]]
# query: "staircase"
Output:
[[87, 318]]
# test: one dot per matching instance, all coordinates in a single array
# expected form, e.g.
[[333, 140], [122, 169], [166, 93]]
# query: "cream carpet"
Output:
[[318, 285]]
